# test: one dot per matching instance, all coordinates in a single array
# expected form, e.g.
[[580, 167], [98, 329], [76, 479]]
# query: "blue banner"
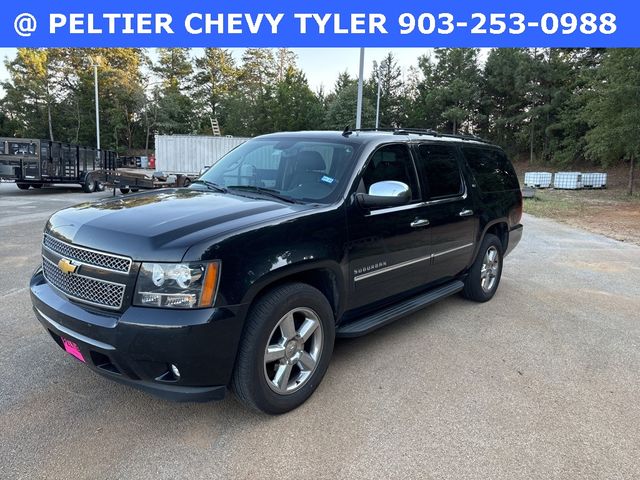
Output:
[[327, 23]]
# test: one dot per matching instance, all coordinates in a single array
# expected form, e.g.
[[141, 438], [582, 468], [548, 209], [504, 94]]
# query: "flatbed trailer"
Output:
[[134, 179], [32, 163]]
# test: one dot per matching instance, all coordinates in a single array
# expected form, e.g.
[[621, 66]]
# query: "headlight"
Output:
[[177, 285]]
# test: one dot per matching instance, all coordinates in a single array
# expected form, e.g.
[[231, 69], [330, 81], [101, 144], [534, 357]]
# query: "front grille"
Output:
[[91, 257], [85, 289]]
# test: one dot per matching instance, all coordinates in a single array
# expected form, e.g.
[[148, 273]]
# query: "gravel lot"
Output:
[[541, 382]]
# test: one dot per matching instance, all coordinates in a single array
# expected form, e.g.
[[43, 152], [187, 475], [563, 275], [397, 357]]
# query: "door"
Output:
[[388, 247], [453, 223]]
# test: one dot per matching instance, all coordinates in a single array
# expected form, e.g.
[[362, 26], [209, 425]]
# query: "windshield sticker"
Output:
[[327, 179]]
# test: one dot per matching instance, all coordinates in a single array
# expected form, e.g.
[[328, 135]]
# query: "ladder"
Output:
[[215, 127]]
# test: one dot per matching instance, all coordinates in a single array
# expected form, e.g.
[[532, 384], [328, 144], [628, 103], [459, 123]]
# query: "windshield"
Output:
[[298, 169]]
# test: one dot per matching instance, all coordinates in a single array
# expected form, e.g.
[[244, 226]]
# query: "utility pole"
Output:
[[359, 105], [95, 80], [379, 72]]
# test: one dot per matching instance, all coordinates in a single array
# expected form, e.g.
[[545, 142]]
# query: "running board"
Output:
[[390, 314]]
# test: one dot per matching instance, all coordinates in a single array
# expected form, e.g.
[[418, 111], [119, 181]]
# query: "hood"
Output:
[[162, 225]]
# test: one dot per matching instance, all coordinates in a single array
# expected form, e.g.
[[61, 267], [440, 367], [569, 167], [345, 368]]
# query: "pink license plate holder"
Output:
[[72, 349]]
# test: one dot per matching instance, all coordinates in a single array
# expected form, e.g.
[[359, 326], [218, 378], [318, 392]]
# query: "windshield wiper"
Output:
[[265, 191], [211, 185]]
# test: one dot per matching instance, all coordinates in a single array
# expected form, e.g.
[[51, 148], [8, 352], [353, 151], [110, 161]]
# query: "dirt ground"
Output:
[[609, 211]]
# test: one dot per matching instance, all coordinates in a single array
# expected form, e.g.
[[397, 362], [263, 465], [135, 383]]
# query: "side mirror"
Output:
[[204, 169], [389, 193]]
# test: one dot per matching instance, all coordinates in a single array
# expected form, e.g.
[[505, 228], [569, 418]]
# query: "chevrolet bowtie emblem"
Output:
[[67, 267]]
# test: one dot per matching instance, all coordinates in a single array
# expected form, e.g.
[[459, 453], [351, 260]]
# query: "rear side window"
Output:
[[491, 168], [440, 170]]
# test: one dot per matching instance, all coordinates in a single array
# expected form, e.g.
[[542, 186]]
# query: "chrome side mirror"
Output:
[[389, 193]]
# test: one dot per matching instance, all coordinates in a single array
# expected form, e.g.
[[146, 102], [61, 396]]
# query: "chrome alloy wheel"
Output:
[[293, 351], [490, 269]]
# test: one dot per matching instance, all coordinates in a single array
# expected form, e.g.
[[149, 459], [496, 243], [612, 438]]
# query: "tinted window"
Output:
[[491, 168], [391, 162], [440, 170]]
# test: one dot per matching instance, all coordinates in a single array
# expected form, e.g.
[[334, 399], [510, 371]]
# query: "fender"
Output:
[[484, 232], [299, 269]]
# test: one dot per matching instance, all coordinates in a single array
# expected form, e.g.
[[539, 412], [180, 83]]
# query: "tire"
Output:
[[23, 186], [89, 185], [36, 185], [124, 190], [135, 190], [187, 182], [255, 377], [485, 273], [100, 186]]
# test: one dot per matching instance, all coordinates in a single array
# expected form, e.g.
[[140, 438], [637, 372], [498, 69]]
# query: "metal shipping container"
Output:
[[188, 154]]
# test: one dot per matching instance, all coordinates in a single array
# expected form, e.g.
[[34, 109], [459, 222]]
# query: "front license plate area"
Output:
[[72, 349]]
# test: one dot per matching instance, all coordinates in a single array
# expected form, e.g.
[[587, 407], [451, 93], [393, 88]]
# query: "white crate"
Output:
[[568, 180], [594, 180], [538, 179]]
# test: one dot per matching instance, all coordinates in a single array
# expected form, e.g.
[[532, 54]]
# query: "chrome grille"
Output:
[[85, 255], [85, 289]]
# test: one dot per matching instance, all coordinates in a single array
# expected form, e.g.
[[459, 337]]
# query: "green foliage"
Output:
[[449, 94], [613, 111], [554, 105]]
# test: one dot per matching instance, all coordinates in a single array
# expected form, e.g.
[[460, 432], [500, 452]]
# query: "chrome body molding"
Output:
[[425, 258]]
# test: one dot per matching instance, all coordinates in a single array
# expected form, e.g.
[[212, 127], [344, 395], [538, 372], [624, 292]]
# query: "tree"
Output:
[[341, 110], [32, 92], [504, 103], [176, 108], [392, 113], [448, 96], [614, 111], [216, 78], [293, 94]]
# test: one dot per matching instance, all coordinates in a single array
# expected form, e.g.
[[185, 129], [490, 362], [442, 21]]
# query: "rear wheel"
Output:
[[36, 185], [286, 348], [484, 276], [134, 190], [124, 190], [89, 185], [100, 186], [23, 186]]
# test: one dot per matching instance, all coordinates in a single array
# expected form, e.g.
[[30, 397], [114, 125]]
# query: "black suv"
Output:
[[245, 278]]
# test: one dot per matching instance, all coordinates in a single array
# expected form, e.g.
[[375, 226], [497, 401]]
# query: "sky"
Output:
[[321, 65]]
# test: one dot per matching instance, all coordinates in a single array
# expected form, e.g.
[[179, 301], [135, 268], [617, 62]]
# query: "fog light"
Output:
[[175, 371]]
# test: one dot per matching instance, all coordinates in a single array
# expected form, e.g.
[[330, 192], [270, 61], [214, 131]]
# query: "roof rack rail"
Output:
[[424, 131]]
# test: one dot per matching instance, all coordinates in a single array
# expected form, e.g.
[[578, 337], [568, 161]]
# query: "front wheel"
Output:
[[484, 275], [286, 348], [23, 186]]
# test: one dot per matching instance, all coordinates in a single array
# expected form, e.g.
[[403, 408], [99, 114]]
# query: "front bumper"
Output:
[[137, 346]]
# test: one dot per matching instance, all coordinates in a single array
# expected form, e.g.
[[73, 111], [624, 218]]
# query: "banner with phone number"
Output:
[[313, 23]]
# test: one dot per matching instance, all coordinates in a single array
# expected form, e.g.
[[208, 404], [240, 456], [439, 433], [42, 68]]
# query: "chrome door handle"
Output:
[[420, 222], [466, 213]]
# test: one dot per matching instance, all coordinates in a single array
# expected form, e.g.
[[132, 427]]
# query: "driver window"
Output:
[[391, 162]]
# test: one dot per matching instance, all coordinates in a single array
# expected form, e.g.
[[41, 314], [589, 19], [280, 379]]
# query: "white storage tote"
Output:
[[594, 180], [538, 179], [568, 180]]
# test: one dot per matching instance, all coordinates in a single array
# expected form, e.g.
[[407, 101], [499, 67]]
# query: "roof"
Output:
[[380, 136]]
